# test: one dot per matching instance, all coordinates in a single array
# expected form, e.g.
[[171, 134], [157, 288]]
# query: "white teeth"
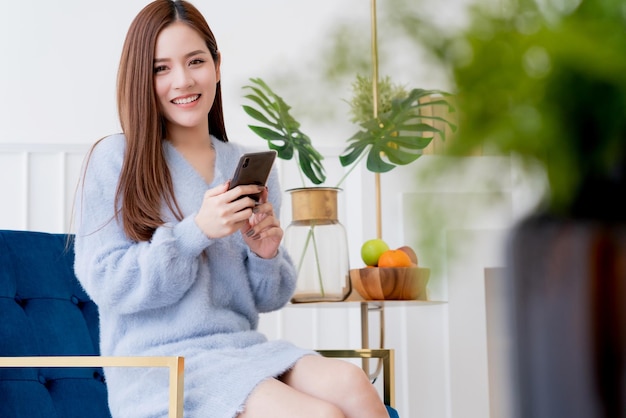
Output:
[[186, 100]]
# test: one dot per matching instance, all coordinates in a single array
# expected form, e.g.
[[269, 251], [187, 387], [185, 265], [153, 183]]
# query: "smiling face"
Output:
[[185, 78]]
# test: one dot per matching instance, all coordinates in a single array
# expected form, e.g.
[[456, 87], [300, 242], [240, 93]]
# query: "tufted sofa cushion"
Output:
[[45, 312]]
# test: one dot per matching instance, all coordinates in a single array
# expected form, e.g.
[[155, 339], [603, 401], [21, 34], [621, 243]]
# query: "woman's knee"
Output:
[[352, 376], [274, 398], [328, 410]]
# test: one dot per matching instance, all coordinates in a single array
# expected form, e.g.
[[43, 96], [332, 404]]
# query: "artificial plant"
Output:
[[396, 136], [281, 131]]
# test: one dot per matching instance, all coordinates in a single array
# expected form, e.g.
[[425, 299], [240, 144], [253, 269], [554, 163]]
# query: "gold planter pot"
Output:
[[317, 243]]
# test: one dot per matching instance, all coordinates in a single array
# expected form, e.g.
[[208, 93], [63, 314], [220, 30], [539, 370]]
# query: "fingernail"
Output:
[[255, 209], [250, 233], [256, 237]]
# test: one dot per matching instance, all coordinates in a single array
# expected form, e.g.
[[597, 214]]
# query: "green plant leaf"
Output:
[[376, 164], [260, 116], [283, 131], [396, 136], [268, 134]]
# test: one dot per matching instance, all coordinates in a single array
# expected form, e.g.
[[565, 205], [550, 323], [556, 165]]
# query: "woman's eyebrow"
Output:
[[189, 54]]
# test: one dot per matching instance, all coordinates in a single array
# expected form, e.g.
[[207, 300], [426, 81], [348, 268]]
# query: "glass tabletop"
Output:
[[356, 300]]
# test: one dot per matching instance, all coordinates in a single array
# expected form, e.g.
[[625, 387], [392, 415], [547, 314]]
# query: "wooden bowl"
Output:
[[391, 283]]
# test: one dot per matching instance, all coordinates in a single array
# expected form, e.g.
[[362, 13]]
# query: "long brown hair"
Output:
[[145, 182]]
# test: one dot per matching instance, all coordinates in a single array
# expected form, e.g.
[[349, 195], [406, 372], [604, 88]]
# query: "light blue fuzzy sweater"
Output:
[[179, 294]]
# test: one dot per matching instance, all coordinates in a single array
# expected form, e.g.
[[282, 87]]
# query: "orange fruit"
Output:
[[394, 258]]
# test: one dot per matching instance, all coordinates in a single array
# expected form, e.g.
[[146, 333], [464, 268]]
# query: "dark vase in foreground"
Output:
[[567, 279]]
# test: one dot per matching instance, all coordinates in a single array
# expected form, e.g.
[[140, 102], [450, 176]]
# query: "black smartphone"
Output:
[[253, 168]]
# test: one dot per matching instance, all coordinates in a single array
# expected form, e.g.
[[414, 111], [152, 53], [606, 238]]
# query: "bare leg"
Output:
[[273, 398], [316, 387], [338, 382]]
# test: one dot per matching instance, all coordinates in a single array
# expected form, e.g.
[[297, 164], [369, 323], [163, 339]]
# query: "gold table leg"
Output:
[[366, 307]]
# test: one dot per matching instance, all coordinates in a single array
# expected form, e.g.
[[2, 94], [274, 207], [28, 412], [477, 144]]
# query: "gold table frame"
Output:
[[365, 353], [386, 357]]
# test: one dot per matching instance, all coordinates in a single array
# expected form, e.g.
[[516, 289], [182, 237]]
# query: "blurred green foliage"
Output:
[[361, 103], [545, 82], [319, 87]]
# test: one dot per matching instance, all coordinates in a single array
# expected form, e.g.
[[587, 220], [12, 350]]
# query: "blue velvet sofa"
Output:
[[45, 312], [45, 316]]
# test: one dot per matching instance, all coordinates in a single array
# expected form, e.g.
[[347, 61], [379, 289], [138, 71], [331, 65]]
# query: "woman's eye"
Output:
[[160, 68], [196, 61]]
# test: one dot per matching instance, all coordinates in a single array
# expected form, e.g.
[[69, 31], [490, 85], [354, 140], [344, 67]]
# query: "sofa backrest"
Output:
[[45, 312]]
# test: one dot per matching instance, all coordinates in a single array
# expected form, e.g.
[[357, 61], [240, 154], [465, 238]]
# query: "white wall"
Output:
[[57, 84], [60, 59]]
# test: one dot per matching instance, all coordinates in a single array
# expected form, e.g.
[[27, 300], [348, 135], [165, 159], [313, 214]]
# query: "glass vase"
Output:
[[318, 244]]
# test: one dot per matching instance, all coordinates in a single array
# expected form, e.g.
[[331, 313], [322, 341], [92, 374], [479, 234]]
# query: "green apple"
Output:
[[372, 249]]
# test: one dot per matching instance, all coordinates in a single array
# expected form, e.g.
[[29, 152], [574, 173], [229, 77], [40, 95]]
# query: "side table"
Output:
[[365, 353]]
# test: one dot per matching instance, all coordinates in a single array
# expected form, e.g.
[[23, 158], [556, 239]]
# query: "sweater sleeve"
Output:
[[273, 281], [118, 273]]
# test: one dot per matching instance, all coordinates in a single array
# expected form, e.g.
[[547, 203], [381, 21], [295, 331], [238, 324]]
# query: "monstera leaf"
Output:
[[398, 136], [281, 131]]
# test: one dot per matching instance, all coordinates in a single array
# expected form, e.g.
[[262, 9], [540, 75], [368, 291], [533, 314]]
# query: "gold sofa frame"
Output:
[[176, 366]]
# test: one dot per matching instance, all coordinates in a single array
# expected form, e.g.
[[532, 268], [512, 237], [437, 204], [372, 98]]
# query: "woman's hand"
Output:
[[262, 232], [222, 213]]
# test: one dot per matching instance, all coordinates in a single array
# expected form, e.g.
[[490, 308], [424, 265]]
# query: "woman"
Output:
[[176, 263]]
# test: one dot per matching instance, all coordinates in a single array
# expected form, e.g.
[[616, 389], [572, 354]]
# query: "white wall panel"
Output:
[[38, 184], [469, 380], [46, 192], [13, 190]]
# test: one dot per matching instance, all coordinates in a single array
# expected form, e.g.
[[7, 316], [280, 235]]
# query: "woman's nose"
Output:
[[182, 79]]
